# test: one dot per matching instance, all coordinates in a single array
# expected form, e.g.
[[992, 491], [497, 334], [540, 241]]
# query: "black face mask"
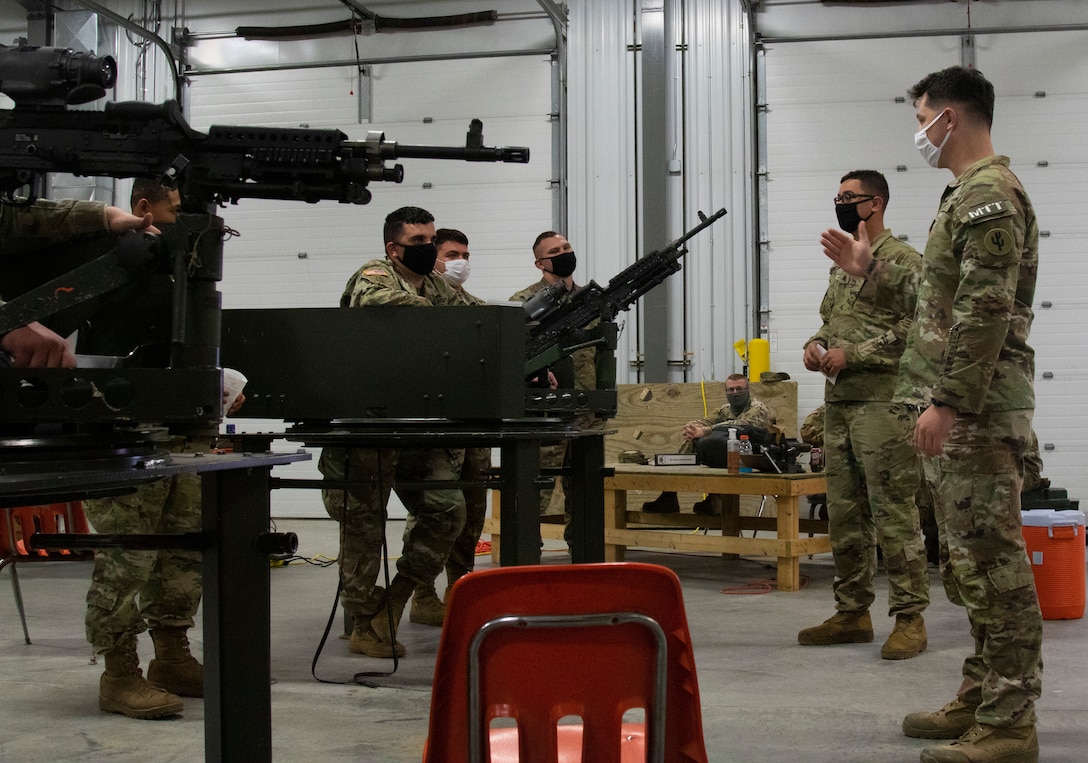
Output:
[[564, 264], [738, 401], [419, 258], [848, 216]]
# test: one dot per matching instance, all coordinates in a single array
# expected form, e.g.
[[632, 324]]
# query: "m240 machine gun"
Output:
[[563, 322], [40, 135]]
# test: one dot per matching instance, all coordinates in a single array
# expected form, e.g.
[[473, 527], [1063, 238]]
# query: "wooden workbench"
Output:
[[625, 528]]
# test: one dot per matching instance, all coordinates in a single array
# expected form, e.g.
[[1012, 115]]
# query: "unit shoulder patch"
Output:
[[991, 210], [375, 272]]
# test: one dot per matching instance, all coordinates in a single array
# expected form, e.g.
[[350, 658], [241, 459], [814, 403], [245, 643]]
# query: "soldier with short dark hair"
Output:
[[871, 466], [968, 364], [405, 277]]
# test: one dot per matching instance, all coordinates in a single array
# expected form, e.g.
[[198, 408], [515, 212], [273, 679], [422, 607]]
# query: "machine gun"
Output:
[[177, 272], [562, 318], [136, 139]]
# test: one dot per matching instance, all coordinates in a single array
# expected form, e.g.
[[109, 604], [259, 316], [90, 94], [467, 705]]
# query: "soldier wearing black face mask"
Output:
[[872, 470], [555, 259], [404, 277]]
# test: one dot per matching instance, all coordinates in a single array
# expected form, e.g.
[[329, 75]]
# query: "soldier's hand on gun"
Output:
[[119, 221], [850, 255], [35, 346]]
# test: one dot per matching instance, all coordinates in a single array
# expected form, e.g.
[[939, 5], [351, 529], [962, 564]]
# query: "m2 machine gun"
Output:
[[135, 139], [563, 322]]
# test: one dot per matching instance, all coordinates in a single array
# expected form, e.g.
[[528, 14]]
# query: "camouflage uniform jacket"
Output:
[[377, 283], [968, 347], [47, 223], [756, 414], [464, 298], [585, 360], [872, 334]]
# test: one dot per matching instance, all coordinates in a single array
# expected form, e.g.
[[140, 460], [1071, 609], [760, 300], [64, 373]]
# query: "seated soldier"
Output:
[[739, 409]]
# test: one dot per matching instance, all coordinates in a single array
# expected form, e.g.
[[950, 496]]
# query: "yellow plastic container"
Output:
[[759, 358]]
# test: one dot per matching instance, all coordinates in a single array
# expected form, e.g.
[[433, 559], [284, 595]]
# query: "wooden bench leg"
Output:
[[730, 519], [789, 567], [615, 517], [496, 515]]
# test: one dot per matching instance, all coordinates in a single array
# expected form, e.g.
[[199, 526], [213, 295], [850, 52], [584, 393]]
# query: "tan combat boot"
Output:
[[427, 608], [123, 689], [174, 667], [950, 722], [363, 640], [396, 598], [907, 639], [841, 628], [988, 744]]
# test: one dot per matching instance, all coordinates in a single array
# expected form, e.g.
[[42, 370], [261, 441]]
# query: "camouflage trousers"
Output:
[[872, 477], [167, 583], [557, 455], [975, 489], [360, 510], [462, 558], [438, 515], [463, 554]]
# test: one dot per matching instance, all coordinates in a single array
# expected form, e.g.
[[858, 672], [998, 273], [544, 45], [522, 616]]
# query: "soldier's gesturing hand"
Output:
[[853, 256]]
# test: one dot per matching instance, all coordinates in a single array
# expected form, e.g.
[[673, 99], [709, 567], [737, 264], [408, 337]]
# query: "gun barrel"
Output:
[[511, 154]]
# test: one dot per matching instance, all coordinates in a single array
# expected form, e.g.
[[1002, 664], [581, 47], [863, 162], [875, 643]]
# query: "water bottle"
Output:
[[745, 450], [732, 452]]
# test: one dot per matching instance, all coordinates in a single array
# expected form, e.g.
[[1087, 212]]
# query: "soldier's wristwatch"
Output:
[[937, 403]]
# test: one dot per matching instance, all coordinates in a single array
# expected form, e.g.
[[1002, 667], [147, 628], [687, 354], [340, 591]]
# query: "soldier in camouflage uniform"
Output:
[[168, 583], [427, 608], [405, 277], [871, 466], [740, 409], [554, 257], [968, 364], [113, 617]]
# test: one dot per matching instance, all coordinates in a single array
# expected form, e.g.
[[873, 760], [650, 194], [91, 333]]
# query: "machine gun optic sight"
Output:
[[36, 77]]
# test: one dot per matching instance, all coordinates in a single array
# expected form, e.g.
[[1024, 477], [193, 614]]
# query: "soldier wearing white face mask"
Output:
[[427, 608]]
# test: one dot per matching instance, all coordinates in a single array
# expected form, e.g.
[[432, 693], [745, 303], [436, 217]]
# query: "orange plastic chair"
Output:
[[20, 522], [542, 643]]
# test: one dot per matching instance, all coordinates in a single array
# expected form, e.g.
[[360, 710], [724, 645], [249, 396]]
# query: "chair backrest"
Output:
[[595, 669], [18, 523]]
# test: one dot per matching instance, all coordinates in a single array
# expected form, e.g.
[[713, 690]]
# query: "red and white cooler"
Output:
[[1055, 544]]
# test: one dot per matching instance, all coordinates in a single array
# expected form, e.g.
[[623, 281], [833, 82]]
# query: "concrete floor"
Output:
[[764, 697]]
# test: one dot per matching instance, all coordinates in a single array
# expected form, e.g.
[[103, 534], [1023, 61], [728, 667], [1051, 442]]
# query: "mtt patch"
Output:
[[375, 272], [988, 211]]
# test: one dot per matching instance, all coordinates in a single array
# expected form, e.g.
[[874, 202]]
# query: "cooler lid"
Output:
[[1051, 517]]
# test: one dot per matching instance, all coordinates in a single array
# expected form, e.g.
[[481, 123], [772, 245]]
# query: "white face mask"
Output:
[[456, 272], [929, 152]]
